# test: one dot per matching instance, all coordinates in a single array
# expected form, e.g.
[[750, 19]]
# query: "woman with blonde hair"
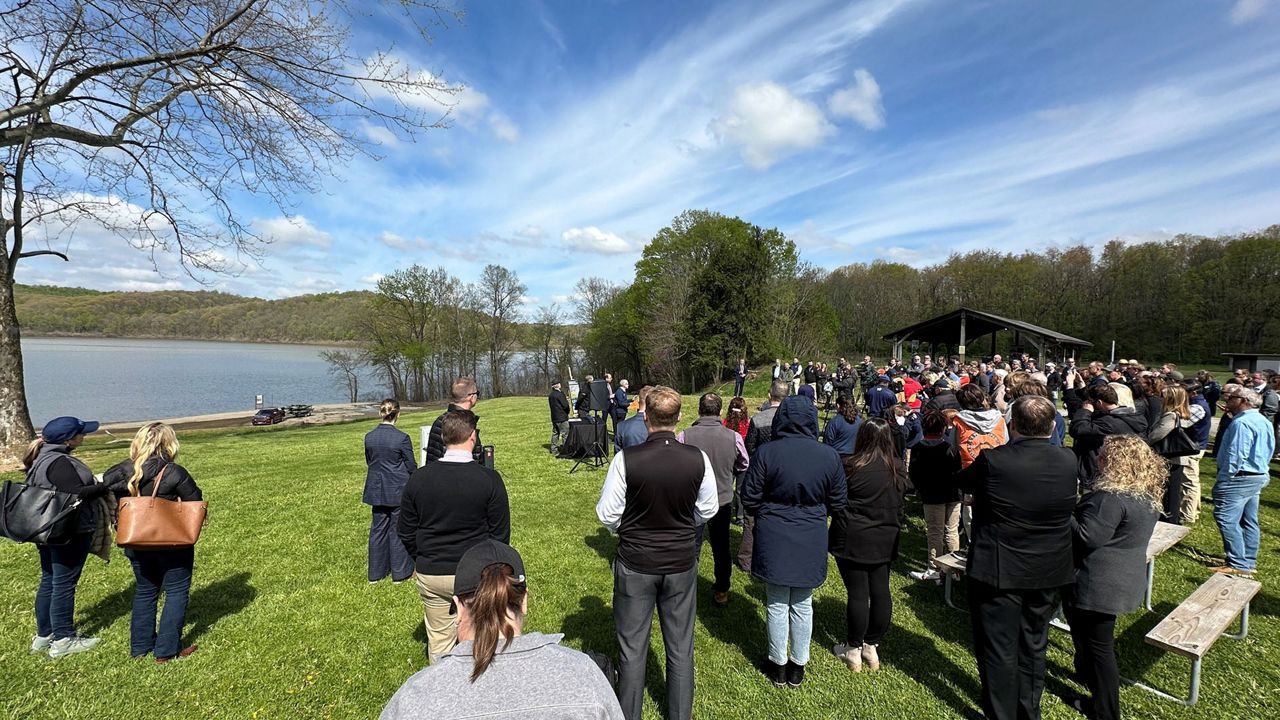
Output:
[[1175, 413], [389, 455], [151, 463], [1112, 526]]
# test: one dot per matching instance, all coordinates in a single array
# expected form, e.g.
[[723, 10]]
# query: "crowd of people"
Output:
[[983, 445]]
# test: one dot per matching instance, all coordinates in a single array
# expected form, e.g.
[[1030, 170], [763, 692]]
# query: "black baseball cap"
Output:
[[466, 578]]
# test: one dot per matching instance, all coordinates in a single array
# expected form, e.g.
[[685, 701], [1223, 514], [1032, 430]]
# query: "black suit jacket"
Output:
[[1024, 494], [559, 406]]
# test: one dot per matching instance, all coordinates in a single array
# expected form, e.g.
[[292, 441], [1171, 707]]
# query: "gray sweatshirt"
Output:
[[533, 678]]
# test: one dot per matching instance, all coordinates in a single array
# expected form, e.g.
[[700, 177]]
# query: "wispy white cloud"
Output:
[[291, 232], [1247, 10], [1077, 172], [860, 102], [378, 134], [503, 128]]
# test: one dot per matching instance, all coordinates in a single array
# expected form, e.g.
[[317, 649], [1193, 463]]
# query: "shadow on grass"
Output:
[[222, 598], [107, 611], [593, 628], [740, 623], [917, 655], [602, 542]]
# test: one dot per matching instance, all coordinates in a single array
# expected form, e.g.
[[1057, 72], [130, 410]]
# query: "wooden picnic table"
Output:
[[1164, 536]]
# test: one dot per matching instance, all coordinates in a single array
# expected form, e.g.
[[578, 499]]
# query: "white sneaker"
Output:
[[930, 575], [71, 645], [41, 643]]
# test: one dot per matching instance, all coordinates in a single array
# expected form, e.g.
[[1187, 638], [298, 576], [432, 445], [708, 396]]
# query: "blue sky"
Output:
[[895, 129]]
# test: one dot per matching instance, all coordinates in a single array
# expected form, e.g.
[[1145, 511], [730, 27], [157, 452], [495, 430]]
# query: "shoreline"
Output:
[[184, 338], [325, 414]]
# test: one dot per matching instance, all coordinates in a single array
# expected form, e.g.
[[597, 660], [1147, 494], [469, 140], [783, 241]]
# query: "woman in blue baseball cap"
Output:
[[49, 465]]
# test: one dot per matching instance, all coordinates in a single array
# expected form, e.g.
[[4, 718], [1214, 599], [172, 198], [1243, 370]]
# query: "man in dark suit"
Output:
[[583, 404], [740, 377], [633, 431], [559, 416], [618, 409], [1024, 494]]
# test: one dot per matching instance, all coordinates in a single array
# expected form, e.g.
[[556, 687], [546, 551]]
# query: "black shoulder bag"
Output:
[[38, 515]]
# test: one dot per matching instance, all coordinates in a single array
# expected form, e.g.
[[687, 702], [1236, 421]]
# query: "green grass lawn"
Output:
[[289, 628]]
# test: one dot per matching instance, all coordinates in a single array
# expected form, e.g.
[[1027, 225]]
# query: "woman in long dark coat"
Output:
[[793, 484], [864, 540], [1112, 527]]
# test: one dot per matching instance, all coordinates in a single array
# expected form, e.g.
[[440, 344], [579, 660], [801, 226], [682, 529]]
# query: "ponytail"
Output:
[[29, 457], [499, 597]]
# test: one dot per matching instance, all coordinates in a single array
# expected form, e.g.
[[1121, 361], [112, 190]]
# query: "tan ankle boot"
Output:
[[849, 655], [870, 657]]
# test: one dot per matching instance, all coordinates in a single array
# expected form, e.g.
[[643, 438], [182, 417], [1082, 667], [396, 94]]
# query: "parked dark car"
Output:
[[268, 416]]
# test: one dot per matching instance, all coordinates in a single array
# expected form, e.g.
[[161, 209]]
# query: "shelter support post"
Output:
[[962, 338]]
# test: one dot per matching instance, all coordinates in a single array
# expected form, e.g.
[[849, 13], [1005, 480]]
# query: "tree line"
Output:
[[1187, 299], [709, 289]]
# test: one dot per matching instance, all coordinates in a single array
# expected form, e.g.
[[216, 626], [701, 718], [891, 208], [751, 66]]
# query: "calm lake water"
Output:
[[119, 379]]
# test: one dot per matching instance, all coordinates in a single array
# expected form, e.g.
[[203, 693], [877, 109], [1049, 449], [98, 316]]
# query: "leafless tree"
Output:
[[500, 292], [148, 118], [590, 294], [345, 365], [546, 331]]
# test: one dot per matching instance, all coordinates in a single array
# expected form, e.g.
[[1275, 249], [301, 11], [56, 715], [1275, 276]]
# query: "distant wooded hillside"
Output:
[[328, 317]]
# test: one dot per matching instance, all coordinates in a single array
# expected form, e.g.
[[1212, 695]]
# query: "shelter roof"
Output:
[[946, 329]]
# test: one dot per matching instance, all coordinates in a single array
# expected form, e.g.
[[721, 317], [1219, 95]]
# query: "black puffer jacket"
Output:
[[1089, 429], [176, 484], [435, 441]]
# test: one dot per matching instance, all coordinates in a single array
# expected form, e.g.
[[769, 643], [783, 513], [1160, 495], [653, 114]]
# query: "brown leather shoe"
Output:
[[720, 599], [184, 652]]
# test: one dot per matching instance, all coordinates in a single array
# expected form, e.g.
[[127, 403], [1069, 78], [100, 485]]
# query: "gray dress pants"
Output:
[[634, 597]]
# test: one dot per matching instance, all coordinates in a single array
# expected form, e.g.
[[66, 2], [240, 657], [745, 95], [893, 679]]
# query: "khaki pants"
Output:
[[942, 528], [441, 624], [1189, 511]]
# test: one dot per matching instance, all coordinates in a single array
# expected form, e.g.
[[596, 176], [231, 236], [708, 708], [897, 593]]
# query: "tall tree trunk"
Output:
[[15, 418]]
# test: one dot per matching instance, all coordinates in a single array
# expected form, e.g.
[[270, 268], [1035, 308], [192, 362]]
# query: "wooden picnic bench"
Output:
[[950, 565], [1192, 628], [1164, 536]]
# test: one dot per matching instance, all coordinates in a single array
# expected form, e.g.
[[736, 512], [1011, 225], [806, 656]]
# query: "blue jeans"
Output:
[[156, 570], [790, 617], [387, 555], [1235, 508], [60, 567]]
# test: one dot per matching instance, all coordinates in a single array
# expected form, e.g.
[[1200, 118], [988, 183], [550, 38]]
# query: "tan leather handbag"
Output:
[[153, 522]]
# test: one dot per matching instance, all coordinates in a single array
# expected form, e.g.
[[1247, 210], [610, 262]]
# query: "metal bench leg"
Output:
[[1195, 687], [946, 590], [1151, 577], [1244, 626]]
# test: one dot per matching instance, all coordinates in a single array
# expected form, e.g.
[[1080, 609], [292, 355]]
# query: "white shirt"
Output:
[[613, 498]]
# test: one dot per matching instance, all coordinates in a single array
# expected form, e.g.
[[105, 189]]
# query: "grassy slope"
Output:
[[288, 626]]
